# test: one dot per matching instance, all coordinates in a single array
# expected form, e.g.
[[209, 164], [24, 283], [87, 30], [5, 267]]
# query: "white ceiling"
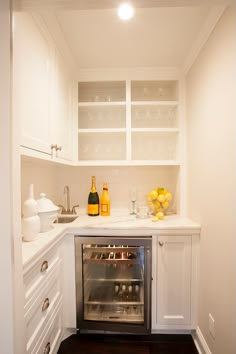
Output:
[[161, 34], [154, 37]]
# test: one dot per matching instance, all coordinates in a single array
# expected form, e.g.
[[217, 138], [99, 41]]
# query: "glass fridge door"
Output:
[[114, 279]]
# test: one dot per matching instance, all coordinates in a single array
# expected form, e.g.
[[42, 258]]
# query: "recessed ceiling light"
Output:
[[125, 11]]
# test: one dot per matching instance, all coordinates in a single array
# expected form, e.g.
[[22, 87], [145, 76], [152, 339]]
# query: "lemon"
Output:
[[160, 190], [157, 204], [165, 204], [159, 209], [168, 196], [161, 198], [160, 215], [153, 195]]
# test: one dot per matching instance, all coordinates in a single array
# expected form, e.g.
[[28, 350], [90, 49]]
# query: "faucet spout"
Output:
[[67, 194]]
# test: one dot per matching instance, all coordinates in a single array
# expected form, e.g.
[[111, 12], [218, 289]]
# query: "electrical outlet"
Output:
[[211, 326]]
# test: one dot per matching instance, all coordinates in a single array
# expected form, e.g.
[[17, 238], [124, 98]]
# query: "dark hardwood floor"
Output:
[[128, 344]]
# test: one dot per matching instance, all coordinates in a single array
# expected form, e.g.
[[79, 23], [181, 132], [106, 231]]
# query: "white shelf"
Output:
[[154, 103], [155, 130], [143, 129], [119, 130], [129, 163], [102, 130], [103, 103]]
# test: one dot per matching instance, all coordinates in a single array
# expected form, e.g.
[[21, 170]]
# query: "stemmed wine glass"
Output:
[[133, 200]]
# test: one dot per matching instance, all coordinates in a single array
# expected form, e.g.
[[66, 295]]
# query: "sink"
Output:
[[64, 219]]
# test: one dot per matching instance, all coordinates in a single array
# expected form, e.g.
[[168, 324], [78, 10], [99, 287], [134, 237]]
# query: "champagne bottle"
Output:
[[105, 201], [93, 200]]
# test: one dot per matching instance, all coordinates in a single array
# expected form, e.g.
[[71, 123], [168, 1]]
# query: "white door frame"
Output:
[[11, 294]]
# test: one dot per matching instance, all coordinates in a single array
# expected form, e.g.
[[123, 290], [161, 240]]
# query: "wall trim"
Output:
[[200, 342], [103, 4], [208, 26], [127, 73]]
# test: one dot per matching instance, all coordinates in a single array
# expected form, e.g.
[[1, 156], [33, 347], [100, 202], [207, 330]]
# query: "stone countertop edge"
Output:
[[128, 226]]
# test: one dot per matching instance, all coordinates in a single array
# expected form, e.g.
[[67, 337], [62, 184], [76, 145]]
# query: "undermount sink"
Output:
[[64, 219]]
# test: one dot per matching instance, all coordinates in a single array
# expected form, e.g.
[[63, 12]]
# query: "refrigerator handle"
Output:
[[148, 287]]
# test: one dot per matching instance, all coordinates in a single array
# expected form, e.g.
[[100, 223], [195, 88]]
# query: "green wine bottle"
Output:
[[93, 200]]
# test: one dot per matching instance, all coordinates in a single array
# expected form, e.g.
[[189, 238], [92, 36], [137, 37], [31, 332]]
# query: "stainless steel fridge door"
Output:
[[113, 284]]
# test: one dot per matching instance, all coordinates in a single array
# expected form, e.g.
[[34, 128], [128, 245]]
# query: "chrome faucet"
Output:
[[67, 194], [66, 209]]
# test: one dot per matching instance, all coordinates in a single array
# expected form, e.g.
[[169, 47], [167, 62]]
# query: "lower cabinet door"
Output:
[[174, 268]]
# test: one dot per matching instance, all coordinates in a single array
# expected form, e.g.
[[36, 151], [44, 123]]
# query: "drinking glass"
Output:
[[133, 200]]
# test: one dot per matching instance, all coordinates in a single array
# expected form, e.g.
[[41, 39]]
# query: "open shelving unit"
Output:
[[129, 122]]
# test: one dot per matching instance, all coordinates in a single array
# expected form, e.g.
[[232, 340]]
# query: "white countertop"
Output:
[[120, 223]]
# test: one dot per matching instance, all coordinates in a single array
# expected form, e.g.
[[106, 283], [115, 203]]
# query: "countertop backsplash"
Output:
[[51, 179]]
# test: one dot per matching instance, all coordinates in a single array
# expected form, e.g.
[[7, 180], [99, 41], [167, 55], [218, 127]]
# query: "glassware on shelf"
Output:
[[145, 92], [160, 92], [133, 200], [170, 150]]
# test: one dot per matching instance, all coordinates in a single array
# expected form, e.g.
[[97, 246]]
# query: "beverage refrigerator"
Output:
[[113, 284]]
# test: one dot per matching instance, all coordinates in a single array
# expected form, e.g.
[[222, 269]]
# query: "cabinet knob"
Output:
[[46, 304], [47, 348], [161, 243], [58, 147], [53, 146], [44, 266]]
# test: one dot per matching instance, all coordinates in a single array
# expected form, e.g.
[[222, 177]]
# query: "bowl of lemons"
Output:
[[158, 202]]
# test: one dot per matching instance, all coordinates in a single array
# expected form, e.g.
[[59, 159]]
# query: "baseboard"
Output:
[[200, 342], [68, 332]]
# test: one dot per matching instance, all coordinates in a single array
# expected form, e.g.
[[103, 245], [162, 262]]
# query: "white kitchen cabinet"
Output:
[[32, 60], [62, 108], [129, 122], [174, 283], [43, 312], [42, 89]]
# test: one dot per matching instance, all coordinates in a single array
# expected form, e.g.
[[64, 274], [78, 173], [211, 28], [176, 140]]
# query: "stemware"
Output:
[[133, 200]]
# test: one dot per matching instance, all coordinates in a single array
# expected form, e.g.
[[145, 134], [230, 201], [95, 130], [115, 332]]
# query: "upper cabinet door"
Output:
[[31, 83], [61, 107], [44, 90]]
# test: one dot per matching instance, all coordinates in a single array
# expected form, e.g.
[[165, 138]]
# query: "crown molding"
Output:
[[129, 73], [215, 14], [33, 5]]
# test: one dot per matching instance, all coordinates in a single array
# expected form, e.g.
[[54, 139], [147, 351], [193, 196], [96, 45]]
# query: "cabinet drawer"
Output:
[[38, 314], [36, 279], [50, 337]]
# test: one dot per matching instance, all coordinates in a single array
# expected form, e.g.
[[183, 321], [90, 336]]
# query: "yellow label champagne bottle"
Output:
[[93, 200], [105, 201]]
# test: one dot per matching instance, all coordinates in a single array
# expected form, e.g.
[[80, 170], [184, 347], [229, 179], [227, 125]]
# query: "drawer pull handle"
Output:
[[161, 243], [46, 304], [44, 266], [47, 348]]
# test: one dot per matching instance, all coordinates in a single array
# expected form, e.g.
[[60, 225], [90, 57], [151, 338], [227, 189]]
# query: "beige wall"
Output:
[[211, 117], [51, 180]]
